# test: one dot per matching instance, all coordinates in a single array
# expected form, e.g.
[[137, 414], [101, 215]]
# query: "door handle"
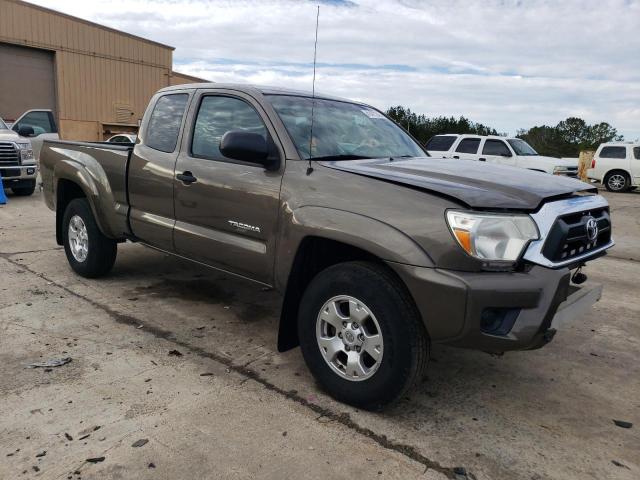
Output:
[[186, 177], [456, 156], [482, 159]]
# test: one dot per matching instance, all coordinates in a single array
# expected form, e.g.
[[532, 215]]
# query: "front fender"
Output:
[[369, 234]]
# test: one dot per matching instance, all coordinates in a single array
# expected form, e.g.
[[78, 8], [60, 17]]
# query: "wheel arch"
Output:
[[315, 254], [73, 182], [614, 170], [314, 238]]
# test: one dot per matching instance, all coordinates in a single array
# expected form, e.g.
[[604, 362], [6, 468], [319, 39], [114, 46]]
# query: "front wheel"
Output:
[[361, 335], [88, 251], [617, 182]]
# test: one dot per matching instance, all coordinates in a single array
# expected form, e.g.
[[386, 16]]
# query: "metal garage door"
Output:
[[26, 80]]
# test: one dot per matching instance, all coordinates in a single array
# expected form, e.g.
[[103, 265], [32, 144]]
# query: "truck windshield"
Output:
[[521, 147], [3, 126], [341, 130]]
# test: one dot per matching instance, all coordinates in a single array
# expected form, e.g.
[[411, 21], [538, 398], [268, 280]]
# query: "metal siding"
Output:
[[96, 67]]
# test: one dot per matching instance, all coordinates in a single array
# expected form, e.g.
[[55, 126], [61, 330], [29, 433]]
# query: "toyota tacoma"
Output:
[[378, 250]]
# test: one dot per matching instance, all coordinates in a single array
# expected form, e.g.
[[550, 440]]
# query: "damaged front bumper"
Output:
[[496, 311]]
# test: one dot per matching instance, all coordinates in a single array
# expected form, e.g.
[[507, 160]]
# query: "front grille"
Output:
[[9, 155], [568, 237]]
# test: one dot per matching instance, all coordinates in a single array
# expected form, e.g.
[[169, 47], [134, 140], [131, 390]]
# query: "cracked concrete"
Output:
[[232, 407]]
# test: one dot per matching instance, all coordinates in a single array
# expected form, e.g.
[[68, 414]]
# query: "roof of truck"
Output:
[[263, 89], [474, 135]]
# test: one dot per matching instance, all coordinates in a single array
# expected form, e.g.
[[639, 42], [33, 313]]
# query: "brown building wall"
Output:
[[178, 78], [104, 78]]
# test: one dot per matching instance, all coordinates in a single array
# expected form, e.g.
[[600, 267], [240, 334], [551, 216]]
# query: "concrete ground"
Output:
[[183, 358]]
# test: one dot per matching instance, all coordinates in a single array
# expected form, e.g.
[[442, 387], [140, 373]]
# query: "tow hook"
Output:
[[578, 277]]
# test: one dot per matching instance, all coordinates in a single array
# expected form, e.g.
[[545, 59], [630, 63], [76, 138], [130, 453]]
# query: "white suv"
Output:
[[617, 166], [493, 149]]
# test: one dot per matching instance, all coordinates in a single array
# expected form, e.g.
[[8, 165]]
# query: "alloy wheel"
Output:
[[349, 338]]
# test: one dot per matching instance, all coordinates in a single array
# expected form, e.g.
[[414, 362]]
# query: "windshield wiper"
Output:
[[341, 157]]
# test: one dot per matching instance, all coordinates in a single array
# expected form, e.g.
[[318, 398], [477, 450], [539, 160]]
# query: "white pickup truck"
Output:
[[504, 151], [17, 162]]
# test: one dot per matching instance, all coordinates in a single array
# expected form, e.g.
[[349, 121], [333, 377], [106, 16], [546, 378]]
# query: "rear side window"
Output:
[[636, 153], [495, 147], [219, 115], [614, 152], [441, 143], [165, 121], [468, 145]]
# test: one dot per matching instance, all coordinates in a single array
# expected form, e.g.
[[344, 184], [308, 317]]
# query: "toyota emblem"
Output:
[[592, 229]]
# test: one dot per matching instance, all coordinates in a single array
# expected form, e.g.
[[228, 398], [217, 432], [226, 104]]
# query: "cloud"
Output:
[[509, 64]]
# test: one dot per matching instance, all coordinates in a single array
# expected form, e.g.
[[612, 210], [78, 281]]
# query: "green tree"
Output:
[[569, 137]]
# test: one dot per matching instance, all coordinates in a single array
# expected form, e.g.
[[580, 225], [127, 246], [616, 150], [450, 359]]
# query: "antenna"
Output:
[[313, 91]]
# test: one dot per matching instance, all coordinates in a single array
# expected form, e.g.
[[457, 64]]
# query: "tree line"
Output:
[[566, 139]]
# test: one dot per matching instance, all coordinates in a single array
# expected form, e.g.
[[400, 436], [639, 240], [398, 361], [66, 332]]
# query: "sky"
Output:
[[509, 64]]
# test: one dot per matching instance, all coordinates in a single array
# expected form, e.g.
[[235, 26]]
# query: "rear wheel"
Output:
[[361, 335], [617, 181], [27, 188], [88, 251]]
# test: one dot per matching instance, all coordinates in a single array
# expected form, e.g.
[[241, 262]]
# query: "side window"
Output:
[[41, 122], [495, 147], [164, 124], [613, 152], [440, 143], [219, 115], [636, 153], [468, 145]]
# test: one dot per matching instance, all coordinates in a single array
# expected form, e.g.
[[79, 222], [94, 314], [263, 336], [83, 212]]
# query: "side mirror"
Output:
[[26, 131], [505, 155], [247, 147]]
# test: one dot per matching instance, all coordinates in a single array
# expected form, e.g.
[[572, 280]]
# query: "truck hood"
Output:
[[10, 135], [478, 185]]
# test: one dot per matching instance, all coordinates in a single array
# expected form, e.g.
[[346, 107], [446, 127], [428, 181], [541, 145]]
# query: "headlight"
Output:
[[26, 152], [492, 237], [560, 170]]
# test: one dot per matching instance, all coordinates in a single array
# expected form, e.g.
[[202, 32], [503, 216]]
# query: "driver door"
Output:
[[497, 151], [226, 210]]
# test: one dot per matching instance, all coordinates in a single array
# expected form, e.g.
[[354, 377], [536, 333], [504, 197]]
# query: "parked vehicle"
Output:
[[378, 250], [17, 162], [37, 125], [122, 138], [617, 166], [504, 151]]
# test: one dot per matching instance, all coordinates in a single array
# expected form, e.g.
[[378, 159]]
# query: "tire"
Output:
[[100, 253], [377, 301], [617, 181], [25, 191]]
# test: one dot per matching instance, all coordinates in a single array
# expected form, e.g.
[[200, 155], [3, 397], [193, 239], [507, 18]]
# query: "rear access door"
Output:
[[226, 210], [151, 169]]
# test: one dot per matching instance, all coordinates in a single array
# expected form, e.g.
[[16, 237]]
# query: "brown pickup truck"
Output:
[[377, 249]]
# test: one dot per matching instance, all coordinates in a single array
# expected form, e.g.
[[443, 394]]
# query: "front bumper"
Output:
[[537, 302], [16, 175]]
